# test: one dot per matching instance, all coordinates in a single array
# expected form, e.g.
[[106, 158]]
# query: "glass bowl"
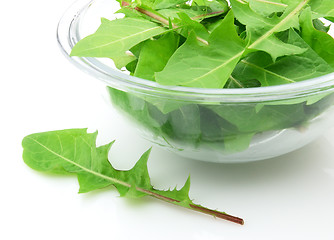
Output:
[[216, 125]]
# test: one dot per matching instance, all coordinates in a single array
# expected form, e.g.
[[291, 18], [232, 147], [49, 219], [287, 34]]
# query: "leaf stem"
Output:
[[218, 214], [194, 207], [159, 19], [156, 195]]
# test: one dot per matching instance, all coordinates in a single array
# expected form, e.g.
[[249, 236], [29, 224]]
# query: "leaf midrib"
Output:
[[259, 40], [113, 180], [264, 1], [122, 39], [218, 67], [277, 26], [273, 3], [80, 166], [267, 71]]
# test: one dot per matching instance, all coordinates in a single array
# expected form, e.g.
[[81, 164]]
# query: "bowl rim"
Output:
[[68, 35]]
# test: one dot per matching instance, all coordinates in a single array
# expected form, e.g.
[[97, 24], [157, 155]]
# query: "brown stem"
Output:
[[197, 208], [218, 214], [148, 13], [154, 16], [159, 19]]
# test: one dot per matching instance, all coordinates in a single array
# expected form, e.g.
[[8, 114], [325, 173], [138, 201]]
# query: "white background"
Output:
[[289, 197]]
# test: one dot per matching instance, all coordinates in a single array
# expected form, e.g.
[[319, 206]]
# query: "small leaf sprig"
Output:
[[74, 151]]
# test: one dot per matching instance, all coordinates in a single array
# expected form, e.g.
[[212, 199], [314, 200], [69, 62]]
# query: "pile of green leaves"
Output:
[[209, 44], [213, 44]]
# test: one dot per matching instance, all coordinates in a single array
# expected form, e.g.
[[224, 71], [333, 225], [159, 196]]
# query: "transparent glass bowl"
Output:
[[217, 125]]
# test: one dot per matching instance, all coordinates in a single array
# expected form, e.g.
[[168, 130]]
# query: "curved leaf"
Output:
[[114, 38], [319, 41]]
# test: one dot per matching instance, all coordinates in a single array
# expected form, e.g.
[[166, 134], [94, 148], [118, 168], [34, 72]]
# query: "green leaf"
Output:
[[195, 12], [185, 122], [219, 135], [154, 55], [187, 25], [237, 142], [148, 3], [74, 151], [130, 12], [114, 38], [214, 6], [249, 120], [322, 8], [123, 60], [261, 30], [187, 66], [265, 7], [319, 25], [160, 4], [331, 19], [135, 107], [319, 41], [288, 69], [172, 13], [241, 82]]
